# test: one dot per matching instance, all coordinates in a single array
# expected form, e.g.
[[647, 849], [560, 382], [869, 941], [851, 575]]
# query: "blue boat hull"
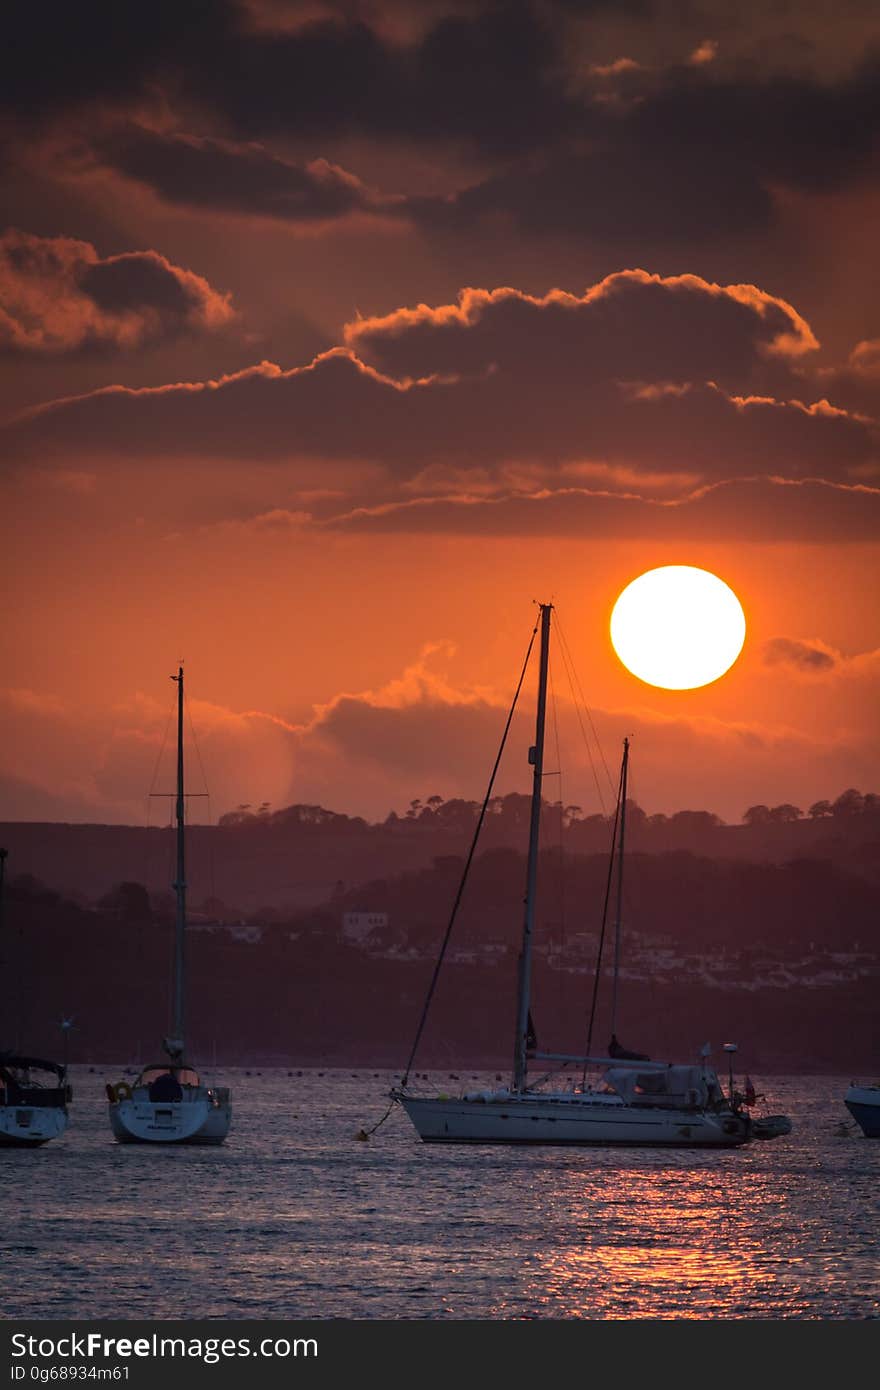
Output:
[[866, 1115]]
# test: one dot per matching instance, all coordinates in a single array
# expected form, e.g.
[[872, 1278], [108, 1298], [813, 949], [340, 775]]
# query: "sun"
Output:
[[678, 627]]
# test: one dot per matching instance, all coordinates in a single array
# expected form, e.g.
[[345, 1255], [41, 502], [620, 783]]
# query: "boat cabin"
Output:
[[679, 1087], [165, 1083], [19, 1085]]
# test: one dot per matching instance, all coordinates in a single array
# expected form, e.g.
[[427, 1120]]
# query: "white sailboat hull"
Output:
[[201, 1120], [27, 1126], [567, 1119], [863, 1103]]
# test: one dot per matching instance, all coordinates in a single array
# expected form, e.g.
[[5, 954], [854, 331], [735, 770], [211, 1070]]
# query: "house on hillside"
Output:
[[357, 926]]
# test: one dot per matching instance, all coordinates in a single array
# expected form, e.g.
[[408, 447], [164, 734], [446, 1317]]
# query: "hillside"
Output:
[[297, 857], [783, 959]]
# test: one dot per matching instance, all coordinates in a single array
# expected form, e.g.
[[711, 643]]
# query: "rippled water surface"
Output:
[[293, 1218]]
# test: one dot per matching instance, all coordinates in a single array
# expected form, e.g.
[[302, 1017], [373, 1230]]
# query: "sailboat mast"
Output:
[[4, 964], [619, 911], [536, 758], [180, 882]]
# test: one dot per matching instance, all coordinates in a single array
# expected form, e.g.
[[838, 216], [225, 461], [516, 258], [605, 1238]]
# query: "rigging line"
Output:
[[365, 1133], [596, 976], [472, 850], [592, 766], [577, 711], [159, 757], [628, 899], [548, 1076], [211, 852], [555, 723], [195, 742], [172, 875], [567, 650], [192, 729]]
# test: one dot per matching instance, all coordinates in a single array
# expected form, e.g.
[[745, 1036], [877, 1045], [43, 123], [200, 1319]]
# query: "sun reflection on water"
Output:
[[669, 1241], [292, 1218]]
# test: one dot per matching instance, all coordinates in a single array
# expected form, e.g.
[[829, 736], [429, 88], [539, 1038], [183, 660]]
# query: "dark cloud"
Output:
[[558, 383], [752, 509], [134, 281], [695, 156], [697, 159], [407, 736], [813, 658], [493, 77], [56, 56], [614, 191], [262, 412], [631, 326], [339, 409], [488, 76], [233, 177], [693, 153], [802, 133], [855, 383], [58, 296]]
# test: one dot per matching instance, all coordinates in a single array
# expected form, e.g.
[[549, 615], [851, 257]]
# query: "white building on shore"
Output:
[[357, 926]]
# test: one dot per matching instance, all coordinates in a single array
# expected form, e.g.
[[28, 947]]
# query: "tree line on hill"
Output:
[[513, 808], [844, 828], [278, 862]]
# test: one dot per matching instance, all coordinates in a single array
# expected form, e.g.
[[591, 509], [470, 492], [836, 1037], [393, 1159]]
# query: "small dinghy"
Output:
[[770, 1126]]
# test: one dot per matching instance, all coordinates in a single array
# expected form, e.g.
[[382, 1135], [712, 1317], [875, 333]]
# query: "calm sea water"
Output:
[[293, 1218]]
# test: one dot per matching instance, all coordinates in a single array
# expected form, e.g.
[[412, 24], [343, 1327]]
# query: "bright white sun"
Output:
[[678, 627]]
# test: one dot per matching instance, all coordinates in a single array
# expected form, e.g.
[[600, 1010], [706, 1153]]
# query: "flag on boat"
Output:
[[750, 1097], [531, 1035]]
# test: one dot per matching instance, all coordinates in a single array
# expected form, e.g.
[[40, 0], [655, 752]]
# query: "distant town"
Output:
[[318, 934]]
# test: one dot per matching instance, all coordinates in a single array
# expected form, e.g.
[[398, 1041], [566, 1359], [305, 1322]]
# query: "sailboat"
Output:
[[168, 1104], [33, 1100], [34, 1093], [633, 1101], [863, 1103]]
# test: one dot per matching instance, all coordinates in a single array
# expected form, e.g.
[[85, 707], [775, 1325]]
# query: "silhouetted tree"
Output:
[[239, 816], [697, 821], [26, 886], [849, 803], [457, 814], [216, 907], [128, 901]]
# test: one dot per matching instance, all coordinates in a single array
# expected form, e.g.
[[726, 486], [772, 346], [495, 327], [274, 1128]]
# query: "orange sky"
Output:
[[669, 354]]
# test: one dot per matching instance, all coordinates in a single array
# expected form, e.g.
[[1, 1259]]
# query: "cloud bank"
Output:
[[646, 404], [59, 297]]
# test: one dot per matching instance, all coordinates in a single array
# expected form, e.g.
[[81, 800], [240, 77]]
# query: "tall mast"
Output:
[[619, 912], [180, 883], [536, 758], [4, 964]]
